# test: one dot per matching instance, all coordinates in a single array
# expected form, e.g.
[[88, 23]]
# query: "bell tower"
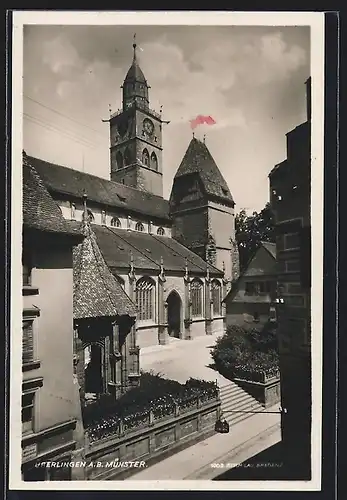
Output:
[[136, 136]]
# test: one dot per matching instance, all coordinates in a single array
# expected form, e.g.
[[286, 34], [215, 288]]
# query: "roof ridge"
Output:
[[95, 176]]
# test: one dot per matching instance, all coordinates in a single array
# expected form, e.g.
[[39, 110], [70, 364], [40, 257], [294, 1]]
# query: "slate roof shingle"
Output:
[[97, 293], [40, 211], [147, 251], [135, 72], [64, 180], [198, 160]]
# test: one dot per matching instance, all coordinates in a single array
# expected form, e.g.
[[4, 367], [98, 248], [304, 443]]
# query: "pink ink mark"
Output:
[[200, 120]]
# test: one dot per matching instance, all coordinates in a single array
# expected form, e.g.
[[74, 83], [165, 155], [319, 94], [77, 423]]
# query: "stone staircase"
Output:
[[237, 399]]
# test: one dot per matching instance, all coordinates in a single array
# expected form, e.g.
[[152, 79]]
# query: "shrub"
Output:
[[155, 393], [252, 350]]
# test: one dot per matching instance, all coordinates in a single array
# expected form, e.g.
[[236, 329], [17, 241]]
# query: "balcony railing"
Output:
[[138, 106]]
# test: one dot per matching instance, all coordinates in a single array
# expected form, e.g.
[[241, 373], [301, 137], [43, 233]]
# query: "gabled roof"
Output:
[[270, 247], [147, 250], [97, 293], [40, 211], [198, 160], [66, 181]]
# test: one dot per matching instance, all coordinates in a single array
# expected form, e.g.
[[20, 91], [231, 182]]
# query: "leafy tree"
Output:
[[251, 230]]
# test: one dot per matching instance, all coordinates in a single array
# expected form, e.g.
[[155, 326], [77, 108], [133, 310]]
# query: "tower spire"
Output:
[[85, 210], [134, 47]]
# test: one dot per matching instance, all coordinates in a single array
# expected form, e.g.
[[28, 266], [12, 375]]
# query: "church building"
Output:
[[176, 258]]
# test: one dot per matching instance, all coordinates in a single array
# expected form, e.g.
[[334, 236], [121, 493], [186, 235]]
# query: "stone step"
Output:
[[234, 418], [238, 398], [238, 405], [233, 397], [231, 386], [232, 393]]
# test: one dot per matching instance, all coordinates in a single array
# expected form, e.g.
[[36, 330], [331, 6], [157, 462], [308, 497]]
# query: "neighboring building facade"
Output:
[[252, 297], [290, 185], [177, 284], [50, 400]]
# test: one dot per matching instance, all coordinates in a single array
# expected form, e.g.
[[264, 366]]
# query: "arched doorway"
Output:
[[174, 309]]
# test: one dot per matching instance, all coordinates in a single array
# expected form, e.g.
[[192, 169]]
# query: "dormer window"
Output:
[[115, 222], [160, 231], [139, 227]]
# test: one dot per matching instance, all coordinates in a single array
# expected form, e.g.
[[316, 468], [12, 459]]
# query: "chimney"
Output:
[[308, 98]]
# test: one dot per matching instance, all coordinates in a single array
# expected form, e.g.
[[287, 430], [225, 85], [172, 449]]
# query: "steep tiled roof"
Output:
[[270, 247], [147, 251], [40, 211], [97, 293], [71, 182], [135, 72], [198, 160]]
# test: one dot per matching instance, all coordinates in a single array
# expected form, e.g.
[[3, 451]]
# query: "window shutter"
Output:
[[27, 342]]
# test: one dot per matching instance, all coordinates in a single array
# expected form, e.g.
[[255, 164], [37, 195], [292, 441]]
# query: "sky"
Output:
[[250, 79]]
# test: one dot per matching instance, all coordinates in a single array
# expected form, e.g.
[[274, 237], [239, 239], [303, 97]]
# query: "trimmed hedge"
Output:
[[155, 393]]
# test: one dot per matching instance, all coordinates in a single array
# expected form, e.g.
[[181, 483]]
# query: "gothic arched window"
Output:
[[145, 157], [160, 231], [196, 297], [216, 298], [115, 222], [144, 298], [154, 161], [139, 227], [119, 160], [127, 157]]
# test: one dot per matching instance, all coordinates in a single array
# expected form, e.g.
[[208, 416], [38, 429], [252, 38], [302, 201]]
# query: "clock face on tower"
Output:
[[148, 127]]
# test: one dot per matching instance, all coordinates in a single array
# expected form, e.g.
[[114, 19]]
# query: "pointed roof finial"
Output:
[[134, 46], [207, 273], [193, 135], [162, 270], [131, 274], [85, 211], [204, 138]]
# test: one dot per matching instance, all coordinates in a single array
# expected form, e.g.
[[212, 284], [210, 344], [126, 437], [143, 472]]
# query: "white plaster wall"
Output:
[[65, 207]]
